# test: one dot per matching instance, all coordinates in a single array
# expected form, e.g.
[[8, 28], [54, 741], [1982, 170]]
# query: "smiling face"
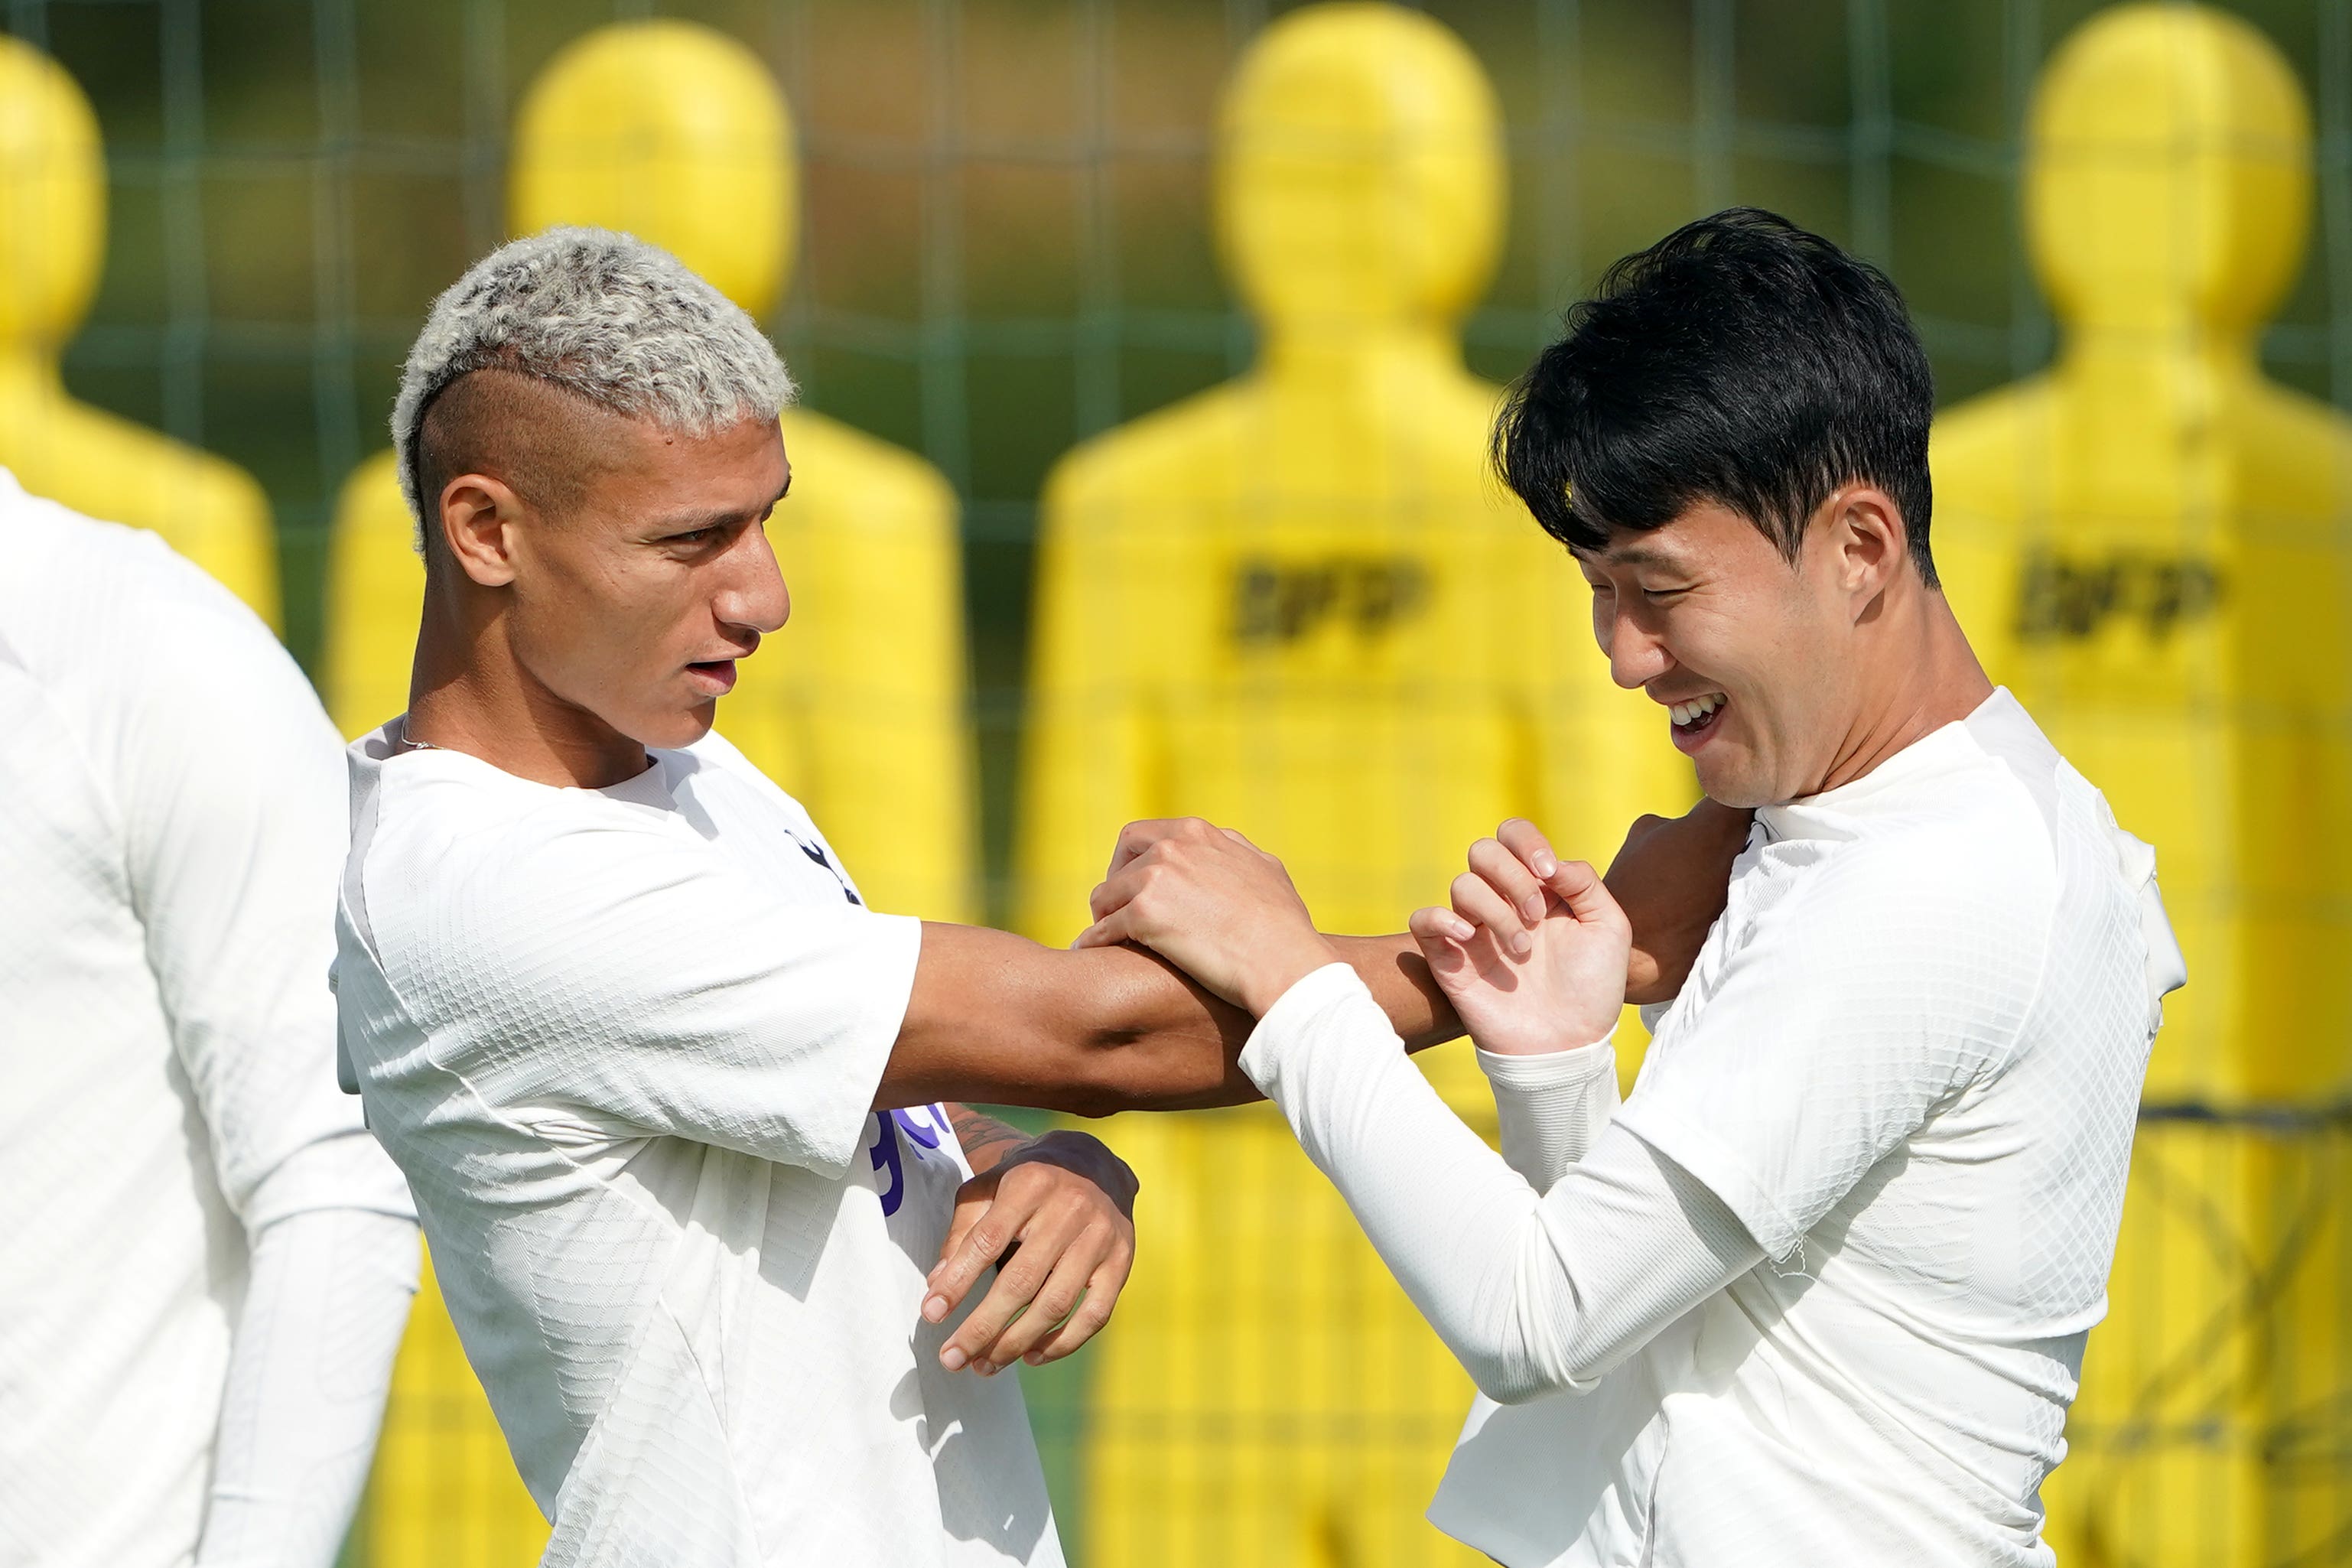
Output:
[[1755, 660]]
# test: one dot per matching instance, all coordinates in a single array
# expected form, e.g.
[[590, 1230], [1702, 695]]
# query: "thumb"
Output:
[[1108, 931], [1579, 887]]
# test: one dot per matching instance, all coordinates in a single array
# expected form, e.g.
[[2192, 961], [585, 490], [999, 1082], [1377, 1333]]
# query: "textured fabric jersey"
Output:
[[1893, 1105], [625, 1043], [174, 822]]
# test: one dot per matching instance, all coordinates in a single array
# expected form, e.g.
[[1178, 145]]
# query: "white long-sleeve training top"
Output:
[[208, 1259], [1817, 1291]]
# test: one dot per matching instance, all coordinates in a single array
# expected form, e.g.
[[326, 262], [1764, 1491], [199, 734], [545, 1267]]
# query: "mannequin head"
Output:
[[1360, 171], [673, 133], [52, 200], [2168, 179]]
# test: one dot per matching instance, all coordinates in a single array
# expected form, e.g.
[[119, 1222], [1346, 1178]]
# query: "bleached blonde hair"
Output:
[[602, 316]]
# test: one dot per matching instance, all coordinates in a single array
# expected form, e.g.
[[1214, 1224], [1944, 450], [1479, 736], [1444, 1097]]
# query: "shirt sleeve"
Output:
[[1534, 1294], [228, 783], [1552, 1108], [1843, 1015], [634, 972], [309, 1373]]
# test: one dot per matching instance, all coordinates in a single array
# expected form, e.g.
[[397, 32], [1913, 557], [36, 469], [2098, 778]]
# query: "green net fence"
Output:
[[1006, 247], [1006, 243]]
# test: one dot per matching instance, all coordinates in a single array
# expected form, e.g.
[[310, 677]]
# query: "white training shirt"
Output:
[[1818, 1291], [173, 1146], [626, 1042]]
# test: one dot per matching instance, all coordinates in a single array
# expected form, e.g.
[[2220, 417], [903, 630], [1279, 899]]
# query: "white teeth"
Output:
[[1697, 707]]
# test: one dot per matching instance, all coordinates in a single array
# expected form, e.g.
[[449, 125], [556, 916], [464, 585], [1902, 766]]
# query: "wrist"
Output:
[[1082, 1154], [1282, 966], [1552, 1045]]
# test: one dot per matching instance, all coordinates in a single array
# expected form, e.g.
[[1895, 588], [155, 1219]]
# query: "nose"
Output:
[[1636, 654], [753, 595]]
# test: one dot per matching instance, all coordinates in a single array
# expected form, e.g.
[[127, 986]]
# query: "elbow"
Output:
[[1523, 1375], [1518, 1386], [1509, 1380]]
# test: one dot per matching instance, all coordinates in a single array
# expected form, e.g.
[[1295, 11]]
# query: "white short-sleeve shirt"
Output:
[[625, 1043], [1908, 1059]]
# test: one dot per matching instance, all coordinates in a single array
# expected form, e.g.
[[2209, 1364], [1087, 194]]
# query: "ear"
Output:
[[1865, 532], [479, 515]]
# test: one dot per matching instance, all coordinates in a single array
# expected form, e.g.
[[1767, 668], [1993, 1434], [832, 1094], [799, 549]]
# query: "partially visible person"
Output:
[[208, 1259], [1817, 1291]]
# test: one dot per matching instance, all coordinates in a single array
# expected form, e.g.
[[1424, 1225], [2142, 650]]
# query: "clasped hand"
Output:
[[1536, 954]]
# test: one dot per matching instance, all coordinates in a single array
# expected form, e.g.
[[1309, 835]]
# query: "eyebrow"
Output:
[[1638, 555], [688, 522]]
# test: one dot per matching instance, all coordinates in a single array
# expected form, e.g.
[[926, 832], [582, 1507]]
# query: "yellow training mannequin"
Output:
[[52, 246], [679, 135], [2147, 542], [1299, 604]]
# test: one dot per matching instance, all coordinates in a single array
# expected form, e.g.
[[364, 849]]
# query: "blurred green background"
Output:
[[1007, 244]]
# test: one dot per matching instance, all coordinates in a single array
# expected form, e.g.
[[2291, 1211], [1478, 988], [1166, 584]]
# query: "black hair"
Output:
[[1739, 360]]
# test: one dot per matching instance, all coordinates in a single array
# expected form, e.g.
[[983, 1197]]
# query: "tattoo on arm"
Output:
[[985, 1139]]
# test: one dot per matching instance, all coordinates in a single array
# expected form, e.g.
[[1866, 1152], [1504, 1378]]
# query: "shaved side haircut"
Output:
[[539, 438], [605, 325]]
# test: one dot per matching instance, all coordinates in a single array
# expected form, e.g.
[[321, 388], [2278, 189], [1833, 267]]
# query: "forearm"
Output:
[[309, 1367], [1394, 971], [999, 1019], [1179, 1047], [1552, 1108], [1002, 1020], [1534, 1294]]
